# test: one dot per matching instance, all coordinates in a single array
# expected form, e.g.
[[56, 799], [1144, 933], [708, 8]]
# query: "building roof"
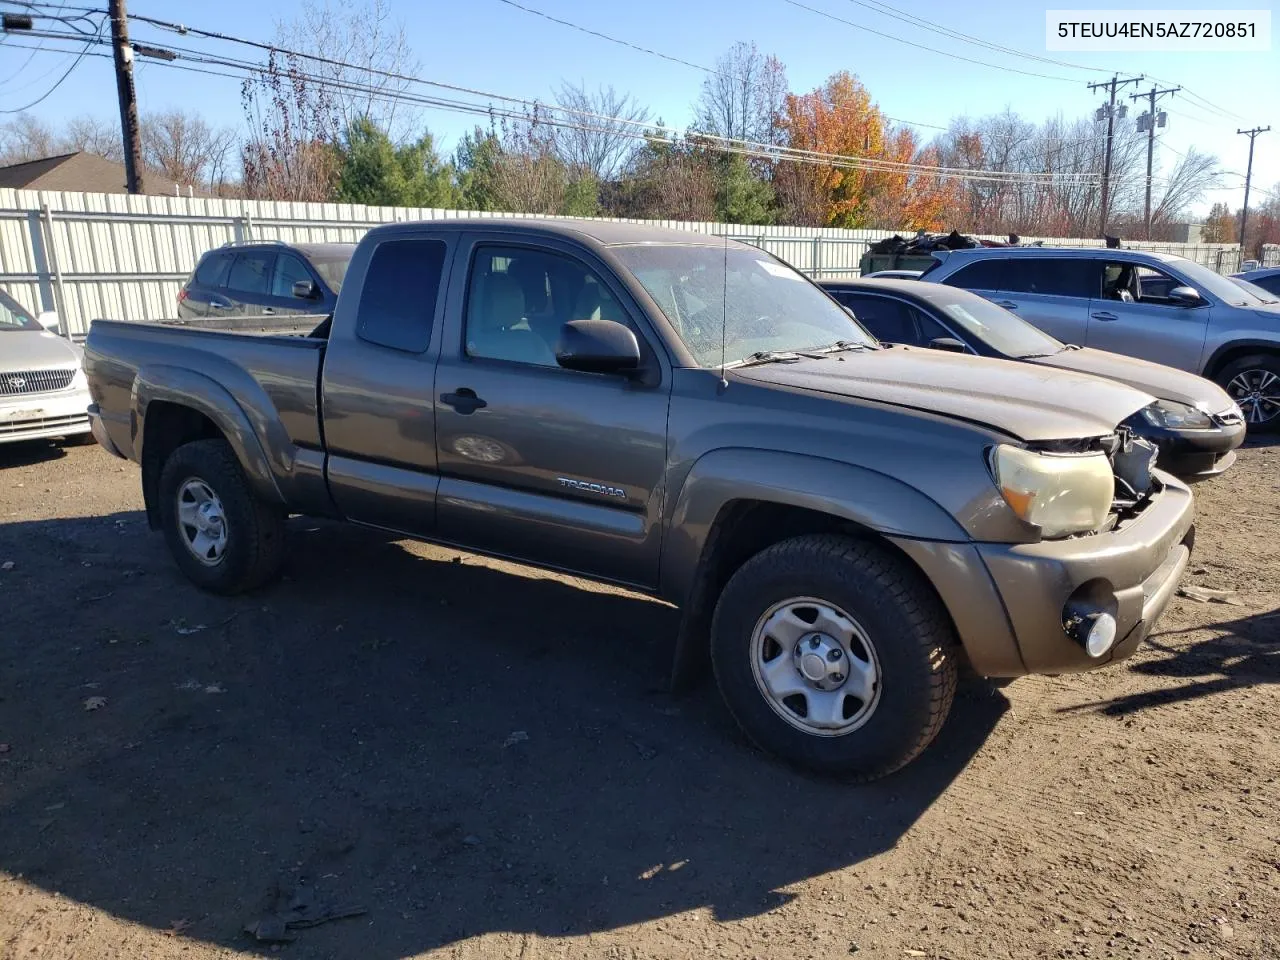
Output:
[[79, 171]]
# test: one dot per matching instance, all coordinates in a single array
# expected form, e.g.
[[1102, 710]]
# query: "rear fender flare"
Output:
[[196, 391]]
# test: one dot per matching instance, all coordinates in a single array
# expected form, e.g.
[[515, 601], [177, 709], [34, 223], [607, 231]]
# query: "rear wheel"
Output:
[[835, 655], [223, 538], [1254, 383]]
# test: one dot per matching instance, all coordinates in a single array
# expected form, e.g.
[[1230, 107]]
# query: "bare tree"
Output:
[[528, 176], [25, 138], [293, 127], [1193, 176], [91, 135], [368, 37], [744, 97], [184, 148], [605, 133]]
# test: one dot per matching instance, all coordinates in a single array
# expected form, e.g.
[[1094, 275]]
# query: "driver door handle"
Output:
[[1103, 315], [464, 400]]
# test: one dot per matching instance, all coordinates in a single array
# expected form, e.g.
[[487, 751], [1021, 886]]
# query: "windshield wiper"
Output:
[[841, 345], [768, 356]]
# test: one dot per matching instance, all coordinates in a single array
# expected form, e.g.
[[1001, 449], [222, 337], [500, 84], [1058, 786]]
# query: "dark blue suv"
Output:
[[267, 277]]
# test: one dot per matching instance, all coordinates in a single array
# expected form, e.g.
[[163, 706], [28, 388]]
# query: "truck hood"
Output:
[[1021, 399], [36, 350], [1156, 379]]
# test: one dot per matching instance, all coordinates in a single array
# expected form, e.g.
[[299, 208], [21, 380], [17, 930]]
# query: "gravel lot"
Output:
[[483, 757]]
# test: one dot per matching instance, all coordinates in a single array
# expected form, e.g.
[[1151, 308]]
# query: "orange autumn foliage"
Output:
[[840, 118]]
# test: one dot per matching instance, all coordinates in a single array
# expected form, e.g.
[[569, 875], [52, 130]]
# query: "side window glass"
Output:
[[249, 272], [930, 329], [1067, 277], [398, 300], [983, 275], [518, 299], [889, 320], [1136, 283], [212, 271], [289, 269], [1154, 286]]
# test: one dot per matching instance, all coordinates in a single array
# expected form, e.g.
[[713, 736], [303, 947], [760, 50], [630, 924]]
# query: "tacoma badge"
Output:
[[588, 487]]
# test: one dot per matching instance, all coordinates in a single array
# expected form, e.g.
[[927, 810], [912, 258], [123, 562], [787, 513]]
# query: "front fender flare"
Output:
[[196, 391]]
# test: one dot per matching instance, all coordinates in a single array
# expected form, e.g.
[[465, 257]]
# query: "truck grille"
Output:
[[18, 382]]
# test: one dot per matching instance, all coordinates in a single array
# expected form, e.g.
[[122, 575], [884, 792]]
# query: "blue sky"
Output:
[[491, 46]]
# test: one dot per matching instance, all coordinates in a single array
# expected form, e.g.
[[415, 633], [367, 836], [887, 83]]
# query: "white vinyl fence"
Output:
[[90, 255]]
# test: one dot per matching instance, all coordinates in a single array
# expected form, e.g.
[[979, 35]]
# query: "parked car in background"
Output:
[[1149, 305], [1196, 426], [840, 523], [265, 277], [1268, 278], [43, 391]]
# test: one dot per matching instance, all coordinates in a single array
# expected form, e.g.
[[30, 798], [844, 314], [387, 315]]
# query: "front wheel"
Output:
[[1254, 383], [835, 655], [223, 537]]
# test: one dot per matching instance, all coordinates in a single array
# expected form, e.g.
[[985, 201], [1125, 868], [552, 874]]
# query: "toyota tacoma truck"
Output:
[[844, 527]]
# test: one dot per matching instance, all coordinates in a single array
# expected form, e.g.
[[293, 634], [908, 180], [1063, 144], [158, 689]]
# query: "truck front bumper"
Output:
[[1011, 602], [39, 416]]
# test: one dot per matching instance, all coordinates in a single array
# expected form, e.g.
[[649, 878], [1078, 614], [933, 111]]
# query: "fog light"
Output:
[[1101, 635]]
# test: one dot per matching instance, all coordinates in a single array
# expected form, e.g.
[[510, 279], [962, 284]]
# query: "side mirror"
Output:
[[49, 320], [598, 346], [1186, 296], [950, 344], [305, 289]]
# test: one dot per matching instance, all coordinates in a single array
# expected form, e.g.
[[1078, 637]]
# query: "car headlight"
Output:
[[1060, 493], [1172, 415]]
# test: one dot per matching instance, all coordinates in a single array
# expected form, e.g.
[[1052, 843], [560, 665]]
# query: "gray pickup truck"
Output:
[[843, 526]]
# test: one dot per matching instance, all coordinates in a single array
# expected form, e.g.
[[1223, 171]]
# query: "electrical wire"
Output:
[[74, 63]]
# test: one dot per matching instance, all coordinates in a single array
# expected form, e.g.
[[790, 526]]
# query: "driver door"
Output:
[[553, 466], [1146, 323]]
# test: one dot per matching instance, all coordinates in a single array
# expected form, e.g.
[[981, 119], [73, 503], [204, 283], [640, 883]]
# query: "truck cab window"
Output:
[[518, 299], [398, 302]]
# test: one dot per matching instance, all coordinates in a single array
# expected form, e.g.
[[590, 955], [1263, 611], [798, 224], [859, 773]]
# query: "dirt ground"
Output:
[[483, 757]]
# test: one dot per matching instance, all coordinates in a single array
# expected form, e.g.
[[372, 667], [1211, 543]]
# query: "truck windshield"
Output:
[[730, 304], [13, 317], [999, 329]]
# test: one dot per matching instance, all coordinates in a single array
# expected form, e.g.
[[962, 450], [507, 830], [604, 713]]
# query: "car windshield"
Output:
[[13, 317], [1266, 296], [1224, 288], [729, 303], [332, 269], [999, 329]]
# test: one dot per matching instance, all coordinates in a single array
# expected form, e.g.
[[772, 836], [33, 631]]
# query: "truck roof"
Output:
[[606, 232]]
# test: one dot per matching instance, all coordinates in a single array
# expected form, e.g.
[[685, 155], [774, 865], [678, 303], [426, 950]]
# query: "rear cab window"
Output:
[[400, 293]]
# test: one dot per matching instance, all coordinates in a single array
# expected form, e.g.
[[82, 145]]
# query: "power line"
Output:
[[57, 83], [921, 46]]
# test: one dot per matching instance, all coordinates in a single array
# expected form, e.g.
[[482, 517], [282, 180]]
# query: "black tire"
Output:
[[255, 530], [901, 617], [1250, 368]]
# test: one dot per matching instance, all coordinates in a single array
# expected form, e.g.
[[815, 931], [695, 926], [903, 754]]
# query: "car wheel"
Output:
[[834, 655], [1254, 383], [223, 537]]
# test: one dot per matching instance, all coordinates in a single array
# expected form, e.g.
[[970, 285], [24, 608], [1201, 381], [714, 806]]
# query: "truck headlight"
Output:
[[1172, 415], [1060, 493]]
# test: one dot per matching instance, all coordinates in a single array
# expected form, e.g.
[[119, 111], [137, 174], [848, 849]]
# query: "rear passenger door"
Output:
[[1132, 314], [539, 463], [378, 383], [248, 284], [983, 277], [1052, 293]]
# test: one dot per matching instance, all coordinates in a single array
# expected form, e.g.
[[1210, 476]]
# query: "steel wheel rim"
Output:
[[202, 522], [815, 666], [1257, 392]]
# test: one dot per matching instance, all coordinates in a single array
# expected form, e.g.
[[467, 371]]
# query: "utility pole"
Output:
[[1114, 84], [1150, 123], [1248, 175], [123, 53]]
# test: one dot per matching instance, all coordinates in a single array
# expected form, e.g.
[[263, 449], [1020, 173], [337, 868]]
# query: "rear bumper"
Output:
[[44, 415], [1008, 601]]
